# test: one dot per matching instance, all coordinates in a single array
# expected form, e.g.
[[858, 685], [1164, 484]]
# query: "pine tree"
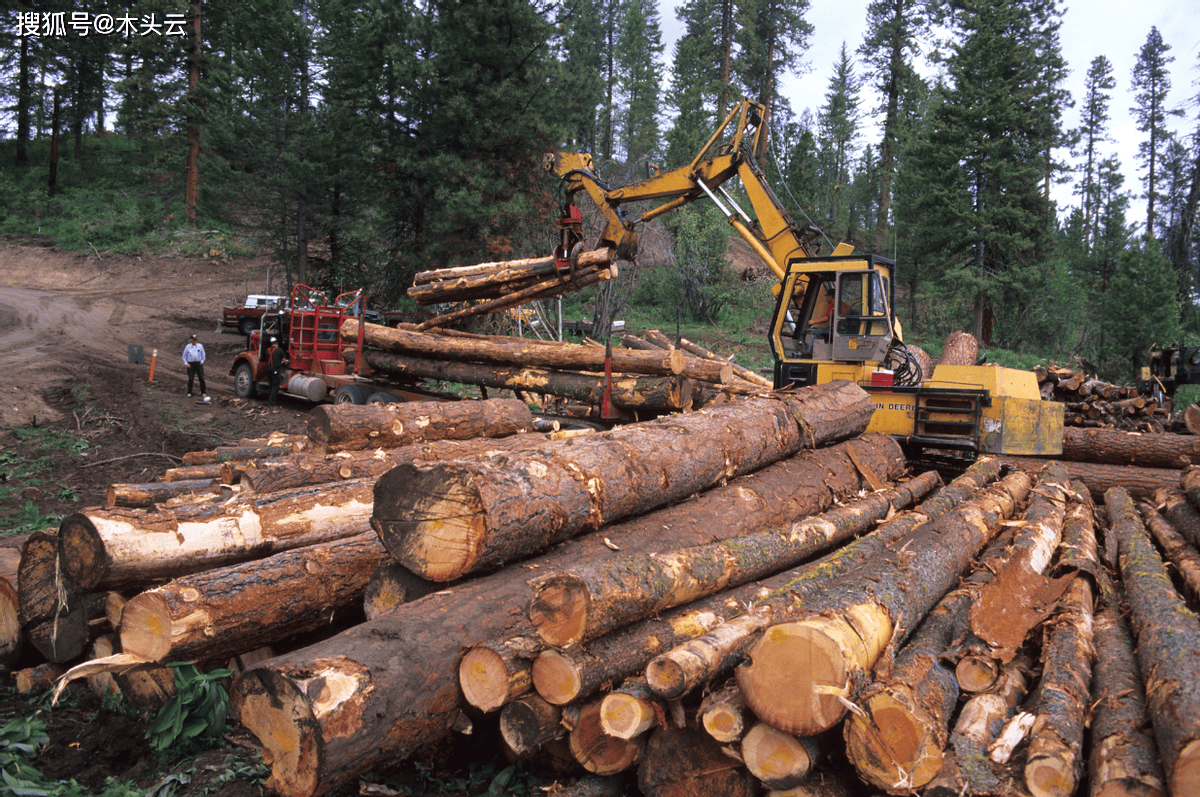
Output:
[[981, 209], [771, 36], [1152, 82], [580, 80], [894, 30], [1140, 309], [639, 62], [837, 135], [1093, 130]]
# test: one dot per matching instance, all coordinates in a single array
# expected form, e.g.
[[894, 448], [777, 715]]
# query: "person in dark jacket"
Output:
[[276, 359]]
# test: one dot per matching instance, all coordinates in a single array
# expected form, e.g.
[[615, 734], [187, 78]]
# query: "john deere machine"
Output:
[[834, 314]]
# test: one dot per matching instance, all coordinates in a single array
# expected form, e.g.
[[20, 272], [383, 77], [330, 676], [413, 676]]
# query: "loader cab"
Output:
[[831, 310]]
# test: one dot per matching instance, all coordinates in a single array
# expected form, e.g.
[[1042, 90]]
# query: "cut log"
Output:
[[651, 393], [499, 350], [398, 708], [10, 623], [586, 602], [303, 470], [980, 721], [657, 338], [529, 722], [960, 348], [1020, 597], [130, 548], [194, 473], [1189, 482], [630, 710], [444, 520], [845, 629], [484, 279], [1115, 447], [494, 673], [739, 370], [476, 269], [391, 585], [1061, 702], [896, 741], [684, 762], [103, 684], [1122, 758], [677, 671], [595, 750], [235, 453], [141, 495], [779, 760], [1176, 549], [1140, 482], [542, 289], [724, 714], [353, 427], [54, 613], [1183, 516], [146, 688], [1168, 647], [40, 677], [235, 609]]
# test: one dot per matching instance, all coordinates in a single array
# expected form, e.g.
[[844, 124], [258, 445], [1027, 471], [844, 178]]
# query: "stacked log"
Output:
[[696, 561], [1094, 403]]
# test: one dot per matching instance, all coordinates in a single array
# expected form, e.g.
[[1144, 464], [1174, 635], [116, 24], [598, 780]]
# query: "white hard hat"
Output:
[[272, 340]]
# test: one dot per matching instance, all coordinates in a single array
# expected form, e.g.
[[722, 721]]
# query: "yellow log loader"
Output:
[[834, 314]]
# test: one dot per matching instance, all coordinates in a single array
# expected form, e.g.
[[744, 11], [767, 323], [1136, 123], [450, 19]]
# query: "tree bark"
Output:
[[143, 495], [391, 585], [586, 602], [1140, 482], [896, 741], [1183, 516], [697, 661], [630, 710], [1021, 597], [235, 609], [651, 393], [1114, 447], [497, 350], [1054, 760], [529, 722], [194, 472], [10, 623], [129, 548], [221, 454], [447, 519], [354, 427], [845, 629], [1181, 554], [398, 703], [1168, 647], [685, 762], [1123, 758], [745, 373], [960, 348], [1189, 482]]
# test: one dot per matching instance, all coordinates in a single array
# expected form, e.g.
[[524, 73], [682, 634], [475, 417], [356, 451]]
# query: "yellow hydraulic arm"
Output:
[[732, 149]]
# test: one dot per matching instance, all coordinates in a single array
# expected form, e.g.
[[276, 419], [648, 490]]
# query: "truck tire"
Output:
[[384, 397], [248, 325], [351, 394], [244, 385]]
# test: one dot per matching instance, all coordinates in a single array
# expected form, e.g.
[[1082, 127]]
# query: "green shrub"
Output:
[[194, 718]]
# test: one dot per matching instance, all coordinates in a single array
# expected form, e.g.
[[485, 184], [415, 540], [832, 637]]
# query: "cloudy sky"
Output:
[[1114, 29]]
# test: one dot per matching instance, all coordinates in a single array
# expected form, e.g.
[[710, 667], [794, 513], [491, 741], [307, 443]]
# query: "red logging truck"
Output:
[[317, 370]]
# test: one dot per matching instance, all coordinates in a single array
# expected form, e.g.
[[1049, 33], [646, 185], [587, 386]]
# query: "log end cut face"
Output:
[[83, 551], [483, 678], [559, 610], [272, 708], [799, 673], [891, 745], [556, 678], [431, 519], [146, 626], [1185, 776]]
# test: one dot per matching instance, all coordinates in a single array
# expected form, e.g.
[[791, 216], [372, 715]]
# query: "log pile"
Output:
[[632, 605], [1093, 403]]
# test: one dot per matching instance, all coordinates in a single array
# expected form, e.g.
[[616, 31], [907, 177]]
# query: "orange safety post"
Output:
[[153, 361]]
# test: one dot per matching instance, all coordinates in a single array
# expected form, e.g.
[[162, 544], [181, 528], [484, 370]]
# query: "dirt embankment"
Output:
[[67, 321]]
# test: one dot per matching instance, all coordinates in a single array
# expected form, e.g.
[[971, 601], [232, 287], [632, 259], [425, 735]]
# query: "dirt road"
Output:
[[67, 320]]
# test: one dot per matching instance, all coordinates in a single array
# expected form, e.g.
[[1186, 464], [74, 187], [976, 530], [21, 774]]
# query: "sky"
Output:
[[1113, 29]]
